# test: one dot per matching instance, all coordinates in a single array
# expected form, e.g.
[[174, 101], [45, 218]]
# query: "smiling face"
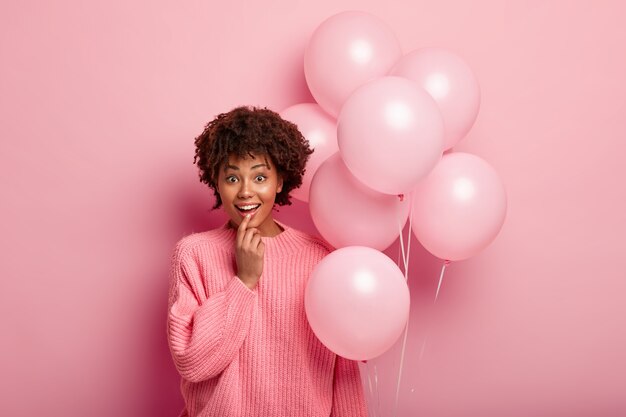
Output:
[[249, 185]]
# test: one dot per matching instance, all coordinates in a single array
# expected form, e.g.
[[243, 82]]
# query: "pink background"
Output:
[[99, 105]]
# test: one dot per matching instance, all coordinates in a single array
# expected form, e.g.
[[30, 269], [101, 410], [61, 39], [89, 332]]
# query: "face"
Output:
[[249, 186]]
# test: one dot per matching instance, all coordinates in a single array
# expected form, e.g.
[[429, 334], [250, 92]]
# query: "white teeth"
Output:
[[250, 207]]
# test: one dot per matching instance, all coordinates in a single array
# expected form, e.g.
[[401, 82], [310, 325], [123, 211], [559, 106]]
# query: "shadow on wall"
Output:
[[187, 206], [162, 395]]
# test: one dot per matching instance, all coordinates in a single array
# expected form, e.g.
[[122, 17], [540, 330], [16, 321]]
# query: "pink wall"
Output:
[[99, 105]]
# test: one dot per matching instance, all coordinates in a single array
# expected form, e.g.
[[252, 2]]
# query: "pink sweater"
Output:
[[244, 352]]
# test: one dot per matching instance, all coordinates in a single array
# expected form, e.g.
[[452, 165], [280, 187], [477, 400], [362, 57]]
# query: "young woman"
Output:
[[236, 324]]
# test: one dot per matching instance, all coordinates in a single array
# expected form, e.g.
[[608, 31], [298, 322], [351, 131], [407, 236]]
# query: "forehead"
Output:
[[248, 160]]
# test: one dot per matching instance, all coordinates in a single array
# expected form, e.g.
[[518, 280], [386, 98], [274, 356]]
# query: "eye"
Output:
[[260, 178], [231, 178]]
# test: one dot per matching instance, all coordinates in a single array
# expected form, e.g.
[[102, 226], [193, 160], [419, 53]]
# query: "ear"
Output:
[[279, 187]]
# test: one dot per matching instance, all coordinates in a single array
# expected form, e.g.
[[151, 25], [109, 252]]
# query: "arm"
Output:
[[348, 397], [204, 335]]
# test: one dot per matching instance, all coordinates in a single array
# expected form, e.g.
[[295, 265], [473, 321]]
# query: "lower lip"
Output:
[[251, 213]]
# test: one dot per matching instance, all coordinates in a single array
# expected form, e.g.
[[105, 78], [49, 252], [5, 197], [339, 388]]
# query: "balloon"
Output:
[[451, 82], [321, 132], [459, 208], [390, 134], [345, 51], [347, 213], [357, 302]]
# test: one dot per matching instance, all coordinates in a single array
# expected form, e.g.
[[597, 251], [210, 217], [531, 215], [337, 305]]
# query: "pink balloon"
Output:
[[347, 213], [321, 131], [459, 208], [357, 302], [347, 50], [390, 134], [451, 82]]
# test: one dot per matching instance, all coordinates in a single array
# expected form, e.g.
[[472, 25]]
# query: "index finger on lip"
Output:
[[241, 230]]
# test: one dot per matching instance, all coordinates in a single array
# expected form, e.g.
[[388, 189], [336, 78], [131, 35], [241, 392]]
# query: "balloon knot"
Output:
[[401, 197], [447, 262]]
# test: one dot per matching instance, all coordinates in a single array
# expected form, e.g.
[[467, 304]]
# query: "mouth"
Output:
[[245, 209]]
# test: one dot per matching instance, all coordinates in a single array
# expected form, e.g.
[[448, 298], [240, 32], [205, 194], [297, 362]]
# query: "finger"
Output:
[[241, 230], [255, 242], [250, 233]]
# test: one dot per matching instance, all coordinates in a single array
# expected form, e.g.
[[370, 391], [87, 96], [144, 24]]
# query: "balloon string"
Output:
[[410, 227], [402, 246], [399, 254], [443, 268], [369, 380], [405, 256], [377, 391], [406, 328]]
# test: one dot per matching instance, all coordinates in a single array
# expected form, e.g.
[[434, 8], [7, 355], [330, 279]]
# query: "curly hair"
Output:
[[248, 130]]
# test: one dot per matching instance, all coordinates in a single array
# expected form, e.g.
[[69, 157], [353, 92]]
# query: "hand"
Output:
[[249, 250]]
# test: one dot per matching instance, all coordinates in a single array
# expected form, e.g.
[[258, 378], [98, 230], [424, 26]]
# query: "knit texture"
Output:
[[251, 352]]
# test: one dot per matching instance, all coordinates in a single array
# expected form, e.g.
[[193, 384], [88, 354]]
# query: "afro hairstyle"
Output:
[[248, 130]]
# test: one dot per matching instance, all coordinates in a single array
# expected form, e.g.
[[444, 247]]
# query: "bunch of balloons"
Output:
[[379, 130]]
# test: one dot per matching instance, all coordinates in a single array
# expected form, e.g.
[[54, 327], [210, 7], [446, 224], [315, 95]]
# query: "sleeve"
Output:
[[204, 336], [348, 397]]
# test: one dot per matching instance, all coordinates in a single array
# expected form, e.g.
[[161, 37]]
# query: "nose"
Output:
[[245, 191]]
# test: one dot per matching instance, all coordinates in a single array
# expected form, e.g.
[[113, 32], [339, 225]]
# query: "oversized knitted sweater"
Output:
[[245, 352]]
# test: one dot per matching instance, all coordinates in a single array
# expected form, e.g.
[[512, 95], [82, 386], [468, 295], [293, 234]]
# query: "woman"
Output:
[[236, 325]]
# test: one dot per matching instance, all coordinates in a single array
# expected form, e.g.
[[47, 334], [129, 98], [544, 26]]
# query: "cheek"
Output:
[[225, 194], [265, 188]]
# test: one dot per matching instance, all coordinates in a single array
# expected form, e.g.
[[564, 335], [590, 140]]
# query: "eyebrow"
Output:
[[236, 168]]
